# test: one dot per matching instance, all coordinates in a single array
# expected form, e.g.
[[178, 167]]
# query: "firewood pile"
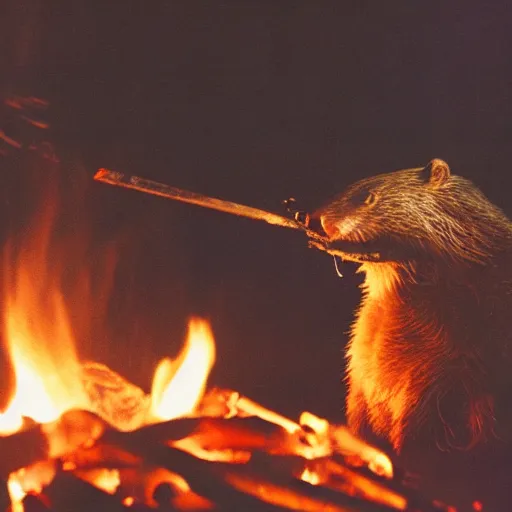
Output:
[[231, 454]]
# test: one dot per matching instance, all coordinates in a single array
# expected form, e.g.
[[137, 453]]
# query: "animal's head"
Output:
[[410, 214]]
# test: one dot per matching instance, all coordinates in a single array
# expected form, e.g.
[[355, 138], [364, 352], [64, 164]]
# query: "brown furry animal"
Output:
[[429, 359]]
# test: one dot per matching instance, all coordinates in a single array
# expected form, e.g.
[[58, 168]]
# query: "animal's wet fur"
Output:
[[429, 358]]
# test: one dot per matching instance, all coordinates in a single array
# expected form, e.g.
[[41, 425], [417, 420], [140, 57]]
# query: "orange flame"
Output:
[[179, 385], [38, 333], [49, 378]]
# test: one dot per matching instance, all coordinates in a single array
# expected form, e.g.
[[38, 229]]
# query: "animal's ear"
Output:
[[436, 173]]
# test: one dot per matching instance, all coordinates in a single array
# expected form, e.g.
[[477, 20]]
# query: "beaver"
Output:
[[430, 352]]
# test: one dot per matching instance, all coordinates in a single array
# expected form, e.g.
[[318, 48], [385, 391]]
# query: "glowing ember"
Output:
[[26, 480], [179, 385], [107, 480], [16, 494], [311, 477]]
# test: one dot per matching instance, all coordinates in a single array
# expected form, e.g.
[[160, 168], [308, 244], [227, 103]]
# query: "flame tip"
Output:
[[188, 371]]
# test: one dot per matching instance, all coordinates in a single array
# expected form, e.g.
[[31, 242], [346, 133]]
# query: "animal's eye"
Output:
[[363, 197], [370, 199]]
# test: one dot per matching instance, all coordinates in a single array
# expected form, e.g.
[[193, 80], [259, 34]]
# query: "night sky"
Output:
[[252, 101]]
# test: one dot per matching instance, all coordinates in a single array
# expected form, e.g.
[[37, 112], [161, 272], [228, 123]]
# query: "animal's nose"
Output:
[[329, 225]]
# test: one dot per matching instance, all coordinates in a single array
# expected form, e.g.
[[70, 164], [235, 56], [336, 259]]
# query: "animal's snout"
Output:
[[330, 226], [337, 227]]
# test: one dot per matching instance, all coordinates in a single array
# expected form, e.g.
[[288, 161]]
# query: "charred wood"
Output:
[[204, 477], [68, 493], [22, 449], [4, 495], [36, 503]]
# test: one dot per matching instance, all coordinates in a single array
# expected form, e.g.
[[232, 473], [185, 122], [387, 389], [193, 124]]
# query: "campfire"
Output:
[[77, 435]]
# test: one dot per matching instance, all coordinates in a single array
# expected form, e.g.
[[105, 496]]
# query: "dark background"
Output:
[[252, 101]]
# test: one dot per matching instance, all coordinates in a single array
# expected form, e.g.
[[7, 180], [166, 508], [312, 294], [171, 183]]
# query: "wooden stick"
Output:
[[22, 449], [204, 477], [69, 493], [263, 478], [159, 189], [40, 442]]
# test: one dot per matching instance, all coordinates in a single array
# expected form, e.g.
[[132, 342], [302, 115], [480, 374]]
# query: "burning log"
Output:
[[43, 441], [300, 495], [341, 478], [100, 455], [73, 429], [35, 503], [203, 477], [154, 485], [215, 433], [22, 449], [342, 487], [215, 480], [68, 493]]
